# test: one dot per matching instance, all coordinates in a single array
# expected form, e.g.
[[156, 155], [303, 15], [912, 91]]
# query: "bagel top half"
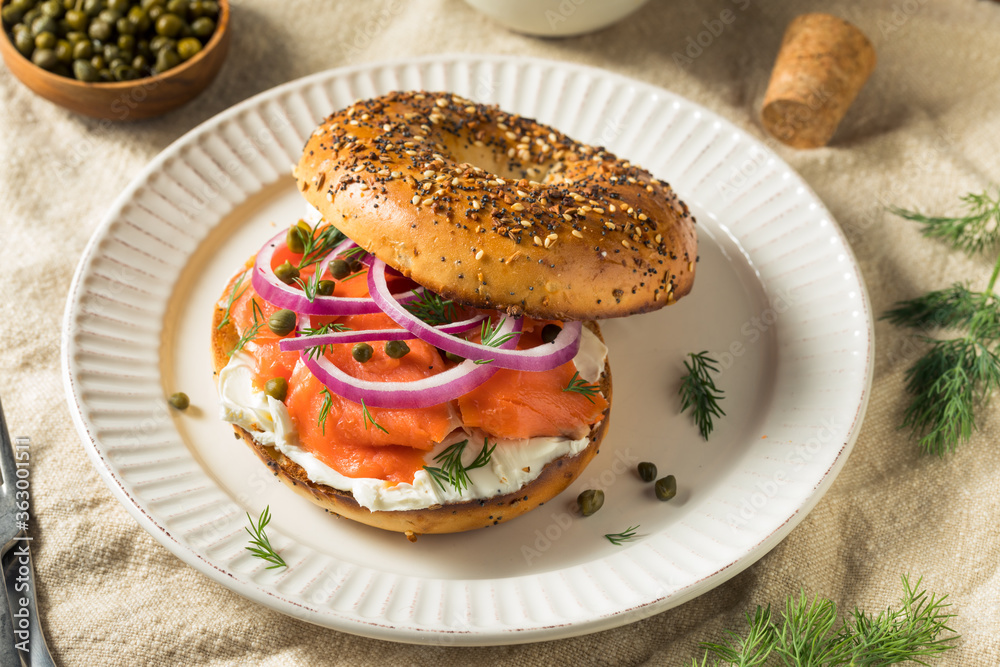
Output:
[[498, 211]]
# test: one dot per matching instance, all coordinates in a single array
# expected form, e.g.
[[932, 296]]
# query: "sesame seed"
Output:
[[441, 102], [626, 243], [411, 153], [548, 242], [455, 181], [359, 168], [475, 204], [470, 109], [609, 225], [479, 255], [658, 238], [631, 210], [428, 172], [577, 234], [649, 188], [510, 135], [643, 216], [552, 237], [395, 174], [419, 96], [611, 208], [387, 127], [353, 122], [630, 179], [518, 206], [526, 223], [567, 217], [478, 143], [538, 240], [329, 196], [599, 210], [522, 193], [578, 197], [500, 181], [365, 116], [690, 267], [416, 200], [428, 202], [502, 126]]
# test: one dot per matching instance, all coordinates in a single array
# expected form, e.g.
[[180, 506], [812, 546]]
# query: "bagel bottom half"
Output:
[[447, 518]]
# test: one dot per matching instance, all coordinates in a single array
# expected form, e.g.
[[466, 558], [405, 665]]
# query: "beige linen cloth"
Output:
[[925, 130]]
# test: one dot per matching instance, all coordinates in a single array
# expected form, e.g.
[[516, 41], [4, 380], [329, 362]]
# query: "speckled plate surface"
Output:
[[778, 300]]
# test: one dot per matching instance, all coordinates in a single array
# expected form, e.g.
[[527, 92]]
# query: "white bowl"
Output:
[[556, 18]]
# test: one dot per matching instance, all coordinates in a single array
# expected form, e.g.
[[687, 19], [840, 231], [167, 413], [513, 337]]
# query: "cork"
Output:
[[823, 63]]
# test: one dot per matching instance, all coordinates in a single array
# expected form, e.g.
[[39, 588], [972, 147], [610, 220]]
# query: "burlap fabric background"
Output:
[[924, 130]]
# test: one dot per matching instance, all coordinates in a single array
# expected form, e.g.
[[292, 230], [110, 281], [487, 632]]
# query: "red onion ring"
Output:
[[272, 290], [365, 336], [541, 358], [424, 393]]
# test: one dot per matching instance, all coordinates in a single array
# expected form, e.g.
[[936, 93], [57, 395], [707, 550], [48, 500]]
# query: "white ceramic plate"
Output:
[[778, 300]]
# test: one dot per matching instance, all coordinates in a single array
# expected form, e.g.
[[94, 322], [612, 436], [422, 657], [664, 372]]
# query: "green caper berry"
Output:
[[276, 388], [178, 7], [53, 8], [339, 269], [126, 43], [550, 331], [362, 352], [647, 471], [99, 30], [45, 58], [11, 14], [325, 287], [43, 24], [294, 240], [210, 7], [286, 273], [30, 16], [451, 356], [84, 71], [397, 349], [140, 64], [125, 27], [25, 43], [45, 40], [64, 51], [169, 25], [188, 48], [111, 53], [590, 501], [124, 73], [160, 42], [155, 12], [166, 59], [98, 62], [203, 27], [179, 400], [75, 37], [147, 4], [666, 488], [282, 322], [138, 17], [109, 16], [120, 6], [92, 7], [82, 51]]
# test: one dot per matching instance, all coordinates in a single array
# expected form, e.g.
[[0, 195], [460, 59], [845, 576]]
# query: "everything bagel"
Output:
[[498, 211]]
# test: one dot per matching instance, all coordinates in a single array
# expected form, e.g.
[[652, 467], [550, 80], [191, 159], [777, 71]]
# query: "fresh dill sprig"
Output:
[[324, 410], [452, 471], [252, 330], [805, 633], [698, 391], [318, 244], [261, 544], [621, 538], [310, 287], [490, 335], [579, 386], [367, 417], [234, 295], [954, 375], [317, 351], [432, 308], [977, 230]]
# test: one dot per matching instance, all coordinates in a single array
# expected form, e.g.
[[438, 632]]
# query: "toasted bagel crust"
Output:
[[499, 211], [448, 518]]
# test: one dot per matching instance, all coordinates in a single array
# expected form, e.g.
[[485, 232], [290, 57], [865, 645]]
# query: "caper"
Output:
[[120, 6], [179, 400], [647, 471], [210, 7], [550, 331], [126, 43], [185, 31], [11, 14], [294, 240], [325, 287], [282, 322], [53, 8], [160, 42], [178, 7], [203, 27], [166, 59], [123, 72], [84, 71], [666, 488], [125, 27], [45, 40], [286, 273], [25, 43], [155, 12], [30, 16], [397, 349], [138, 17], [98, 29], [92, 7], [451, 356], [106, 75], [45, 58], [362, 352], [188, 48], [98, 62], [64, 51], [111, 53], [109, 16], [43, 24], [142, 48], [61, 69], [169, 25], [146, 4], [75, 37], [339, 269], [82, 50], [140, 63], [276, 388], [590, 501]]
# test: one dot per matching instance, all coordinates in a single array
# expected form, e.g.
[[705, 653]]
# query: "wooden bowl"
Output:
[[126, 100]]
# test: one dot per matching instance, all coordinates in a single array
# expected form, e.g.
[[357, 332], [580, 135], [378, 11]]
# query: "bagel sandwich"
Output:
[[479, 387]]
